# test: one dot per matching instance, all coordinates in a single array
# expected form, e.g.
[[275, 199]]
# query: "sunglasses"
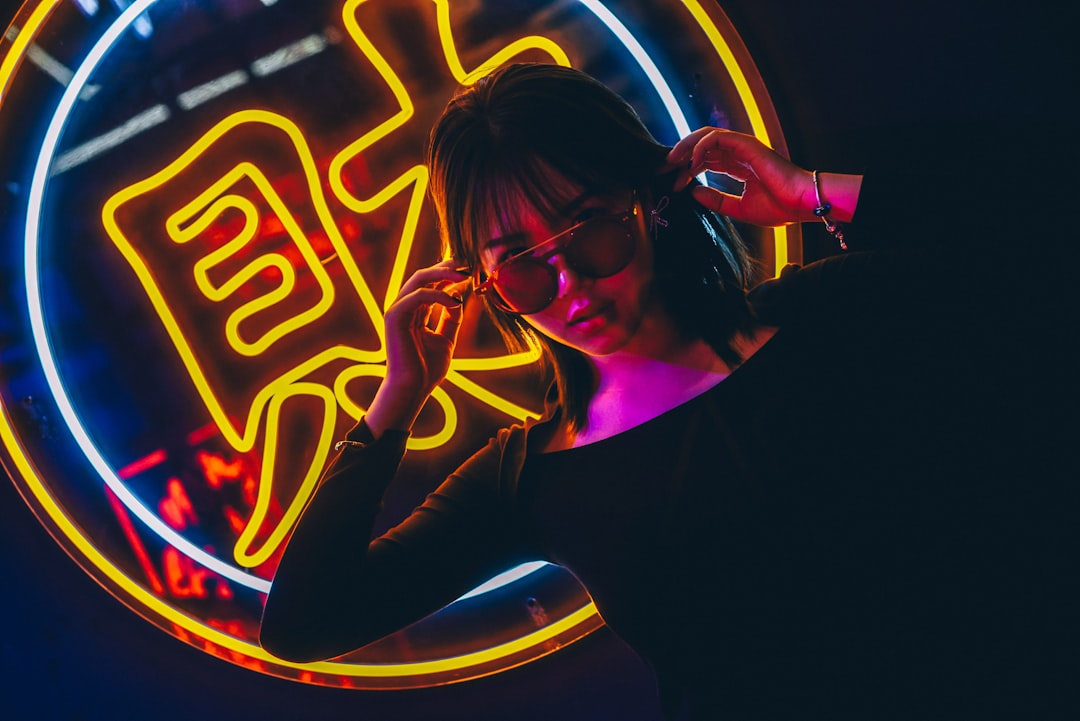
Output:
[[597, 247]]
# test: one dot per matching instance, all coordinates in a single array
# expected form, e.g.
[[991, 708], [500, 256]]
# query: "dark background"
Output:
[[841, 72]]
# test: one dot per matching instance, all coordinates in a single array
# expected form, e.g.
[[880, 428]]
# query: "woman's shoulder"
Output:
[[497, 465], [852, 286]]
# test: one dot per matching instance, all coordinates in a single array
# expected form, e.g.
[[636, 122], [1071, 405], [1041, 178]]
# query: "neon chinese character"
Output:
[[261, 294]]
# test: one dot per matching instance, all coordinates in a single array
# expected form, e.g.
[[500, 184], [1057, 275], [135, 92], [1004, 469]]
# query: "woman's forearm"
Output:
[[312, 599]]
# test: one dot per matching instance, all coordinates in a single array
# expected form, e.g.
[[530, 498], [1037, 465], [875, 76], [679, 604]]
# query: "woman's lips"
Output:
[[588, 317]]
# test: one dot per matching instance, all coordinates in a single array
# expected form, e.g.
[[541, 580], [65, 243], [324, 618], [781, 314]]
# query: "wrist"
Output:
[[393, 408], [840, 191], [807, 198]]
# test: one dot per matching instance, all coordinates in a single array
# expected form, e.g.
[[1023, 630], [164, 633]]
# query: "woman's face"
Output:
[[597, 316]]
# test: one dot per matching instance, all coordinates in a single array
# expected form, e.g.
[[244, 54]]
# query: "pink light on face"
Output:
[[597, 316]]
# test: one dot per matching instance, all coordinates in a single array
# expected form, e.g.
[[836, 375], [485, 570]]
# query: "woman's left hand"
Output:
[[776, 191]]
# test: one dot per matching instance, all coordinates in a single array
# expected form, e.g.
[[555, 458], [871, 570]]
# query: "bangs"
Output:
[[536, 137], [520, 183]]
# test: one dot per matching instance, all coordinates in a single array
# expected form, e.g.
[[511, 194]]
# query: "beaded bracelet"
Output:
[[822, 211]]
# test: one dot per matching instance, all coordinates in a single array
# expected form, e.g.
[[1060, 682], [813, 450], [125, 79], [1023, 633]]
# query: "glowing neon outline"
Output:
[[35, 201], [22, 41], [207, 205], [208, 633], [52, 376]]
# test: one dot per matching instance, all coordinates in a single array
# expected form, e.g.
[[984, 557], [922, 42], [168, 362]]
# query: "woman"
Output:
[[736, 479]]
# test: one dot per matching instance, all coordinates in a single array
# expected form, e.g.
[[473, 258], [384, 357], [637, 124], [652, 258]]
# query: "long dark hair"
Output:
[[498, 143]]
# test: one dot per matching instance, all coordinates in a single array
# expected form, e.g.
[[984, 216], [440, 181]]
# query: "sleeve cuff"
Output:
[[360, 436]]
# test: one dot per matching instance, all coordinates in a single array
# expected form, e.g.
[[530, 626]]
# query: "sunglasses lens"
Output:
[[601, 248], [597, 249], [526, 285]]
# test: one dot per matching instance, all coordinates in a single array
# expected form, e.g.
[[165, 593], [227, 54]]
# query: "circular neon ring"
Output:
[[36, 197]]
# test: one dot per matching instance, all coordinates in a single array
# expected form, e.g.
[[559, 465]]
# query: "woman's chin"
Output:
[[598, 338]]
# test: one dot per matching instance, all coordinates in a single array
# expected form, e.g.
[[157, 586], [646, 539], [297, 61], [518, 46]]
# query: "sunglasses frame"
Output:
[[487, 284]]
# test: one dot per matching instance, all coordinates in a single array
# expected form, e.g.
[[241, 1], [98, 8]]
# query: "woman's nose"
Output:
[[568, 279]]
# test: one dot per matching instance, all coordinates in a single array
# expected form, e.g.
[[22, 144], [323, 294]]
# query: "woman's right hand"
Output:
[[775, 190], [421, 332]]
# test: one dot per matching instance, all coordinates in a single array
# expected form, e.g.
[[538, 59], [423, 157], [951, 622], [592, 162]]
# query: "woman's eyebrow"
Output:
[[575, 203], [566, 211], [494, 243]]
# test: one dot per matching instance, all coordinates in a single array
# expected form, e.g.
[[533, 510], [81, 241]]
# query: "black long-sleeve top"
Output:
[[840, 529]]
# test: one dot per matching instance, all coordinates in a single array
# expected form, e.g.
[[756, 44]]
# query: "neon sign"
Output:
[[250, 251]]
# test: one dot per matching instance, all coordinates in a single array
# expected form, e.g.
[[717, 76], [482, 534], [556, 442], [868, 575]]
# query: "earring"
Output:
[[655, 218]]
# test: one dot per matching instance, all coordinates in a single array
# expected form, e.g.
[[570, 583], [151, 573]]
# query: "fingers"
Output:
[[697, 143], [418, 299], [694, 154], [438, 286], [449, 322], [679, 156], [459, 289], [444, 273], [718, 201], [418, 312], [716, 150]]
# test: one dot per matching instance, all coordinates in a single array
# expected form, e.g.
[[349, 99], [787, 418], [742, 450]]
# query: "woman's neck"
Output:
[[624, 371], [632, 389]]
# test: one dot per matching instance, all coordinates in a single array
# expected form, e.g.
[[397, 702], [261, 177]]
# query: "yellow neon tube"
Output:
[[21, 42]]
